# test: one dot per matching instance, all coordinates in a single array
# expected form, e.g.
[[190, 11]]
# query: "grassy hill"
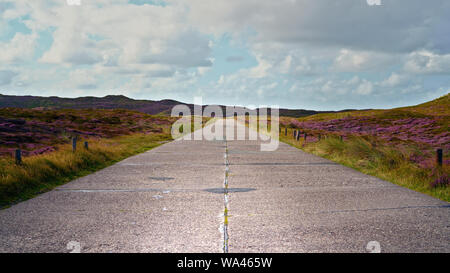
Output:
[[39, 131], [44, 137], [437, 107], [426, 124], [398, 145]]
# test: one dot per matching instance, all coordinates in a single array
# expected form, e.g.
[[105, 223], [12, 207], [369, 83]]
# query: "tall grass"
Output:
[[375, 158], [41, 173]]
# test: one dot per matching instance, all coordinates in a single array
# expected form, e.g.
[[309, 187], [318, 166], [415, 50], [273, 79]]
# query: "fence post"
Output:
[[285, 131], [305, 136], [439, 157], [18, 157], [295, 134], [320, 137], [74, 144], [298, 136], [86, 145], [341, 138]]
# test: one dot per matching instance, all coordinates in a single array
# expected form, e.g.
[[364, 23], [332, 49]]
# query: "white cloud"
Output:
[[357, 61], [120, 34], [353, 81], [6, 76], [261, 70], [395, 80], [271, 85], [82, 79], [221, 79], [297, 65], [351, 61], [426, 62], [365, 88], [20, 48], [203, 70]]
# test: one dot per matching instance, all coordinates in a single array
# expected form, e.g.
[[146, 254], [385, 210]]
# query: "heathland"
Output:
[[398, 145]]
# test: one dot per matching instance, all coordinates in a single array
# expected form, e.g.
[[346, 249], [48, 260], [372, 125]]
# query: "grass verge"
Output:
[[44, 172], [378, 159]]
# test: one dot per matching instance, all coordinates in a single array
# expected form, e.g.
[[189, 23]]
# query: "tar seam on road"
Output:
[[225, 201], [214, 190], [287, 164], [123, 190]]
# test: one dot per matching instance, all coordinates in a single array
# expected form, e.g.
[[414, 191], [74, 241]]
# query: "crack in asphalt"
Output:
[[375, 209], [214, 190]]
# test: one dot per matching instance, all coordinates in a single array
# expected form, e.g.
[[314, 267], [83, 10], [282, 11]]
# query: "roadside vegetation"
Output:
[[397, 145], [43, 172], [44, 137], [372, 157]]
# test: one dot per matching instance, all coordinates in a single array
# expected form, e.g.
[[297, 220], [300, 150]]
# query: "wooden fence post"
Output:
[[86, 145], [295, 134], [74, 144], [341, 138], [305, 136], [18, 157], [298, 136], [439, 157], [320, 137], [285, 131]]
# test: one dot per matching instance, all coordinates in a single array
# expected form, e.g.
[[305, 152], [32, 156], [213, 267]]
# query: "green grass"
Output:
[[42, 173], [386, 160], [372, 157]]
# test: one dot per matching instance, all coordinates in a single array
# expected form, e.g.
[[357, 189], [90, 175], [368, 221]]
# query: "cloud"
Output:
[[297, 66], [261, 70], [19, 49], [6, 76], [120, 34], [426, 62], [396, 26], [82, 79], [203, 70], [356, 61], [365, 88], [395, 80], [315, 54]]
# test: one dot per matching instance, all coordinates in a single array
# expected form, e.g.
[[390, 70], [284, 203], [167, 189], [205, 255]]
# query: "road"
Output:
[[173, 199]]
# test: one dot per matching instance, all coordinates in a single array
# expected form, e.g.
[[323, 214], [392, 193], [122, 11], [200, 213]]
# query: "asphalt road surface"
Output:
[[227, 195]]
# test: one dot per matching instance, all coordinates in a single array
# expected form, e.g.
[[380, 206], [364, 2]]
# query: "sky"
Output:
[[309, 54]]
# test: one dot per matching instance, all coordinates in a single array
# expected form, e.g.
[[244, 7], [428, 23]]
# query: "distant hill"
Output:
[[108, 102], [424, 126], [436, 107], [117, 102]]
